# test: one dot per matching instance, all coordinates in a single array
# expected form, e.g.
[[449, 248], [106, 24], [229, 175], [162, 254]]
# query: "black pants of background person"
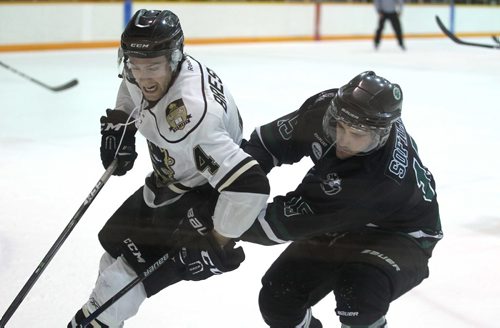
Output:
[[396, 25], [365, 271]]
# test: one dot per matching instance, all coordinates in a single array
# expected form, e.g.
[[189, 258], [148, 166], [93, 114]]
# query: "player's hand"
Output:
[[112, 128], [204, 257]]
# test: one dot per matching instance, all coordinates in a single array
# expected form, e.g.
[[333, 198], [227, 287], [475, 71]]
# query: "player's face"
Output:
[[152, 74], [351, 141]]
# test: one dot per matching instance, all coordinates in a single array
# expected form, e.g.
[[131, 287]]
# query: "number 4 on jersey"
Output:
[[203, 161]]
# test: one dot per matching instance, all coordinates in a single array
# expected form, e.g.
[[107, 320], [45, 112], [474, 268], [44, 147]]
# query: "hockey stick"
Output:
[[55, 247], [65, 86], [455, 39], [124, 290], [496, 39]]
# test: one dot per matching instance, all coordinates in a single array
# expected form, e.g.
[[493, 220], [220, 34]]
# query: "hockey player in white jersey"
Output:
[[193, 130]]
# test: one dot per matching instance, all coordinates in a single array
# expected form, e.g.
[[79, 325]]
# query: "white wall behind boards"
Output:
[[100, 24]]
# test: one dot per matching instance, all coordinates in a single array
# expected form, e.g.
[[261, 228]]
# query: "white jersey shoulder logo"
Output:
[[177, 115]]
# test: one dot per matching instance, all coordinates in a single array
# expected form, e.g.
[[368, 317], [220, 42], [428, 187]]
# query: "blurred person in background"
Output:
[[389, 10]]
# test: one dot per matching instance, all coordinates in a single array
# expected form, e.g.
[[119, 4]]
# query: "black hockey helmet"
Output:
[[152, 33], [368, 102]]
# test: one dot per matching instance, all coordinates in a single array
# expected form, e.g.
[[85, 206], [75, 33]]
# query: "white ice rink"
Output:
[[49, 162]]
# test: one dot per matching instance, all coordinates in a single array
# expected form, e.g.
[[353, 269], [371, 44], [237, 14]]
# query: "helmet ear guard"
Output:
[[176, 55], [175, 58]]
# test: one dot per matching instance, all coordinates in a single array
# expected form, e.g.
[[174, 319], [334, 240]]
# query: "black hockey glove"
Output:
[[112, 129], [204, 258]]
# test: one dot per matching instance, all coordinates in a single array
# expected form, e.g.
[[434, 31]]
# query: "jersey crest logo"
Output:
[[332, 185], [177, 115], [162, 163]]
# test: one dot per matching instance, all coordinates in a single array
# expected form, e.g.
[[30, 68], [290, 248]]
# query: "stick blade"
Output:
[[65, 86]]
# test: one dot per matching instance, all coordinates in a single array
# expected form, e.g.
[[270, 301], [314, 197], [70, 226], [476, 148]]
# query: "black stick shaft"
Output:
[[55, 247], [55, 89]]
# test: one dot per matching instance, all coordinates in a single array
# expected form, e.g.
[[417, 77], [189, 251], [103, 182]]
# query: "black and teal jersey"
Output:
[[389, 189]]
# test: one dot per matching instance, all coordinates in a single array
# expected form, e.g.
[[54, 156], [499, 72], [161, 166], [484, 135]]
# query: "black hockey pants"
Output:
[[143, 234], [365, 271]]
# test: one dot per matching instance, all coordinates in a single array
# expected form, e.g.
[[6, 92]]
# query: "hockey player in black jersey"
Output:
[[204, 190], [363, 221]]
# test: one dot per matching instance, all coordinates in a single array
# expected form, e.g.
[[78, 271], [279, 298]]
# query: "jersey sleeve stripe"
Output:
[[420, 234], [267, 229], [235, 173], [178, 188]]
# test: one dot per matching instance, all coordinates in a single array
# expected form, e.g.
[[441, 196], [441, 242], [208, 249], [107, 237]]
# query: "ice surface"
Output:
[[49, 162]]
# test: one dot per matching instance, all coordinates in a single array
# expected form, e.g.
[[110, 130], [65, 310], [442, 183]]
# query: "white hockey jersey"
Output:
[[193, 134]]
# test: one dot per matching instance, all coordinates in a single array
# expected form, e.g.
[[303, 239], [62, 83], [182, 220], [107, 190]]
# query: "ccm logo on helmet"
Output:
[[139, 45]]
